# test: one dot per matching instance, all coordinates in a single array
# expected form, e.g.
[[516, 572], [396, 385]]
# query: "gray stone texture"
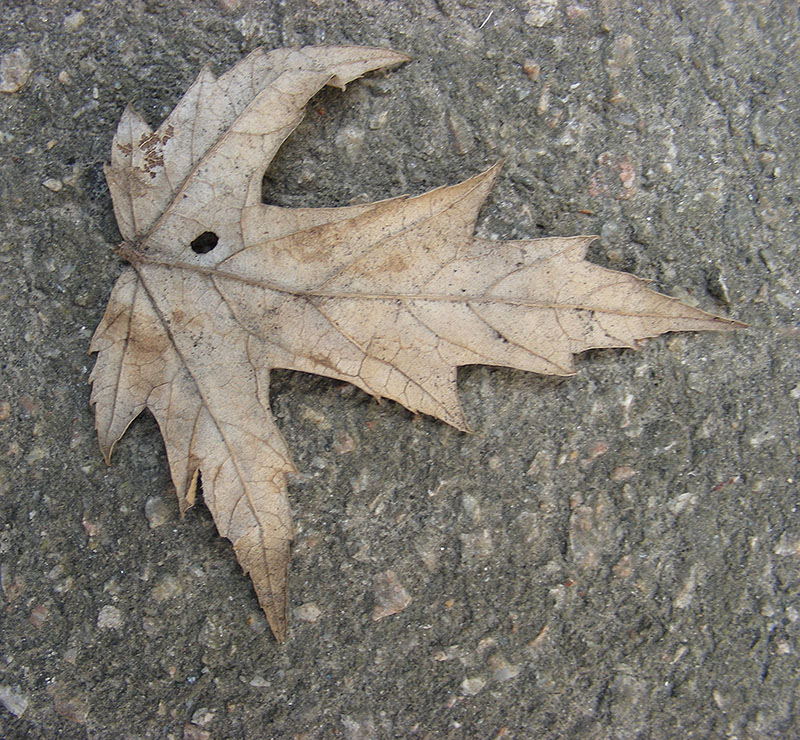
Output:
[[613, 555]]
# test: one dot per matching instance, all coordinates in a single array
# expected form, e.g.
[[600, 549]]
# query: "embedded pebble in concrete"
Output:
[[157, 511], [109, 618], [15, 69], [390, 596], [308, 612], [472, 685], [541, 12], [12, 698]]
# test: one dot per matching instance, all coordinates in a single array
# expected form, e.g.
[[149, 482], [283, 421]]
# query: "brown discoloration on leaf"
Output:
[[147, 142], [391, 296]]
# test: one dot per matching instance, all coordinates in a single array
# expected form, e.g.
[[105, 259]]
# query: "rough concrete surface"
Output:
[[613, 555]]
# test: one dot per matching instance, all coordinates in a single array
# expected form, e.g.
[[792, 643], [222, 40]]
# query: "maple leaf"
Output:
[[390, 296]]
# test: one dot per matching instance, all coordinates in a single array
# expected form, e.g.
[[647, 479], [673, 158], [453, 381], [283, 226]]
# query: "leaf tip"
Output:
[[130, 116], [281, 633], [107, 451], [265, 559], [493, 171], [402, 57], [348, 63], [728, 324], [277, 618], [187, 500]]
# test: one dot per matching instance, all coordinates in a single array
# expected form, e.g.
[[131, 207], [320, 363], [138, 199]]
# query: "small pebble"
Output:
[[257, 622], [461, 132], [476, 547], [378, 120], [91, 528], [52, 184], [389, 594], [351, 139], [544, 101], [193, 732], [531, 69], [622, 472], [358, 729], [73, 708], [717, 285], [109, 618], [686, 593], [471, 506], [541, 12], [15, 69], [576, 12], [472, 686], [502, 670], [344, 444], [598, 448], [74, 21], [315, 417], [622, 55], [787, 546], [39, 616], [540, 466], [13, 700], [157, 511], [309, 612], [202, 717], [623, 569], [168, 587]]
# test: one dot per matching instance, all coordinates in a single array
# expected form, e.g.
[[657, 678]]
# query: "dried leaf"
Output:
[[391, 296]]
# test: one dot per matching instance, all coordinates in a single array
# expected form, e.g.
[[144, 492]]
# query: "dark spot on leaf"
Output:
[[205, 242]]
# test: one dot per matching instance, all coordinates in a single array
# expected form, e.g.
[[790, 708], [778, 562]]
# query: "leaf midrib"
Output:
[[137, 257]]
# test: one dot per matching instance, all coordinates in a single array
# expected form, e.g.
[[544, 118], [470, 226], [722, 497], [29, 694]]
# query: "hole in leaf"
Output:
[[205, 242]]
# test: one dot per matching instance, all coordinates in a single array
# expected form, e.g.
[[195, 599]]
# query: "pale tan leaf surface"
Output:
[[391, 296]]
